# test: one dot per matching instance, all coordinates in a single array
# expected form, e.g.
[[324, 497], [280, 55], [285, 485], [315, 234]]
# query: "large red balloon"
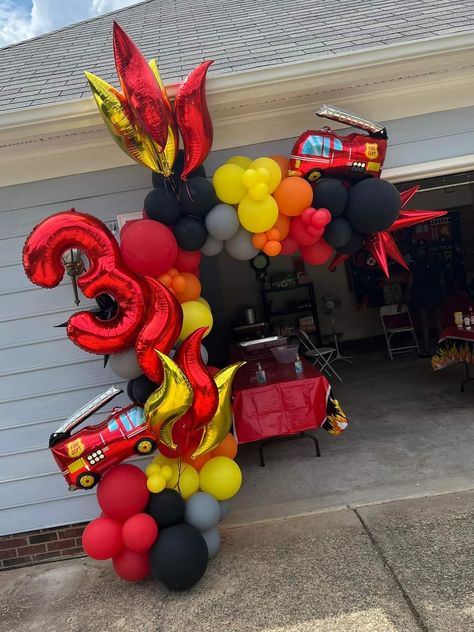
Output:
[[139, 532], [102, 538], [106, 274], [148, 247], [288, 246], [187, 260], [317, 253], [131, 566], [193, 118], [123, 492], [299, 231]]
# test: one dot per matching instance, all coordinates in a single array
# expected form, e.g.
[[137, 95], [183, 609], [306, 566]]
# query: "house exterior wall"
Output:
[[45, 377]]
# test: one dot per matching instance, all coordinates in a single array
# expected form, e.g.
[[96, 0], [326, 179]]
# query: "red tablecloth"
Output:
[[285, 405], [454, 345]]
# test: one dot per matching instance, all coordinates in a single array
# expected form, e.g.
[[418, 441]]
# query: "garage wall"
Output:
[[44, 377]]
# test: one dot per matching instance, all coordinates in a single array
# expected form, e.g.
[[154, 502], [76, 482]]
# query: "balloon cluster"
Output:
[[169, 533]]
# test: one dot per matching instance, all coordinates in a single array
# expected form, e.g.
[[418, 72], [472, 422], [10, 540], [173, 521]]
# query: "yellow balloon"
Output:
[[250, 178], [156, 484], [273, 168], [220, 477], [153, 469], [202, 300], [186, 480], [259, 191], [166, 472], [162, 460], [242, 161], [195, 315], [228, 184], [263, 175], [257, 216], [218, 428]]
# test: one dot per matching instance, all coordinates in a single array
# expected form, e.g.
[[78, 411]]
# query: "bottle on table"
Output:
[[467, 322], [261, 376], [298, 365]]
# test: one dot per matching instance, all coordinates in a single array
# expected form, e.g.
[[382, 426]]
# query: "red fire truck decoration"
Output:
[[85, 456], [353, 157]]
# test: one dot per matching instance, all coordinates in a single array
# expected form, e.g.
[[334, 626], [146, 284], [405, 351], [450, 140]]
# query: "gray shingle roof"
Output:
[[237, 34]]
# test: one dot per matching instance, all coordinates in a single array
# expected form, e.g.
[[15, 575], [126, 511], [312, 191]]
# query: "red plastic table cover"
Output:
[[287, 404], [454, 345]]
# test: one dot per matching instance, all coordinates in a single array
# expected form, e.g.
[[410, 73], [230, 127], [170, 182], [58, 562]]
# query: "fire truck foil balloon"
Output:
[[351, 157]]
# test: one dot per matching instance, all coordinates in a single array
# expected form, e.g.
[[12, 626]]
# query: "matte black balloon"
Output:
[[162, 206], [373, 205], [167, 508], [190, 233], [338, 232], [354, 244], [179, 557], [142, 388], [197, 197], [175, 180], [331, 194], [130, 389]]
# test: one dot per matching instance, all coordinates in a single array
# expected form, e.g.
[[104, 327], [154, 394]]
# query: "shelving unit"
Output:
[[288, 294]]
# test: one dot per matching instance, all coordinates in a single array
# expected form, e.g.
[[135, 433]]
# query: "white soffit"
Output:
[[254, 106]]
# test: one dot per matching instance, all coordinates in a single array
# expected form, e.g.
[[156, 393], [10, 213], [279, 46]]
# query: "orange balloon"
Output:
[[283, 163], [179, 283], [273, 234], [199, 461], [227, 447], [259, 240], [192, 289], [293, 195], [283, 226], [173, 272], [165, 279], [272, 248]]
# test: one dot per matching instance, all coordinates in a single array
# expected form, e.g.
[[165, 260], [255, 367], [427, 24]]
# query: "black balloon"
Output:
[[130, 390], [166, 508], [175, 180], [179, 557], [373, 205], [190, 233], [141, 389], [338, 232], [331, 194], [197, 197], [354, 244], [162, 205]]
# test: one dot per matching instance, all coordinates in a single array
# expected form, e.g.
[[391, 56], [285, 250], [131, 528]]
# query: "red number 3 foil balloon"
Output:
[[106, 274]]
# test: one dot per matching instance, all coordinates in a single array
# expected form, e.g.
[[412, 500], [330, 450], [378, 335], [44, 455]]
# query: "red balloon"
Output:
[[148, 247], [189, 358], [141, 88], [317, 253], [123, 492], [139, 532], [102, 538], [131, 566], [187, 260], [213, 369], [165, 319], [193, 118], [106, 274], [299, 232], [339, 258], [288, 246], [321, 217], [185, 438]]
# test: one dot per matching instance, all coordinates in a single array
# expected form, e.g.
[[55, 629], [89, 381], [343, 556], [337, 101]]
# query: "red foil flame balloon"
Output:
[[164, 322], [141, 88], [194, 120], [106, 274], [205, 400]]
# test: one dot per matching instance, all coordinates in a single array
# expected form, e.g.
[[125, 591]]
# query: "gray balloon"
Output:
[[213, 541], [125, 364], [224, 506], [240, 246], [212, 247], [222, 222], [202, 511]]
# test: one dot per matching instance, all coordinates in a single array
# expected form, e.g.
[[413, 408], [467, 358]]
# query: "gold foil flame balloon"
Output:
[[218, 427], [168, 156], [169, 402]]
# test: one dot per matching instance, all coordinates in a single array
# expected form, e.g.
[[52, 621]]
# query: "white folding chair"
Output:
[[389, 315], [321, 356]]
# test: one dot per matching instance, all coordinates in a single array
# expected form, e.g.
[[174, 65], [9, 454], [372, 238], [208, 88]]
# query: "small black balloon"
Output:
[[197, 197], [179, 557], [331, 194], [190, 233], [175, 179], [162, 206], [373, 205], [142, 388], [166, 508], [354, 244], [338, 232], [130, 389]]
